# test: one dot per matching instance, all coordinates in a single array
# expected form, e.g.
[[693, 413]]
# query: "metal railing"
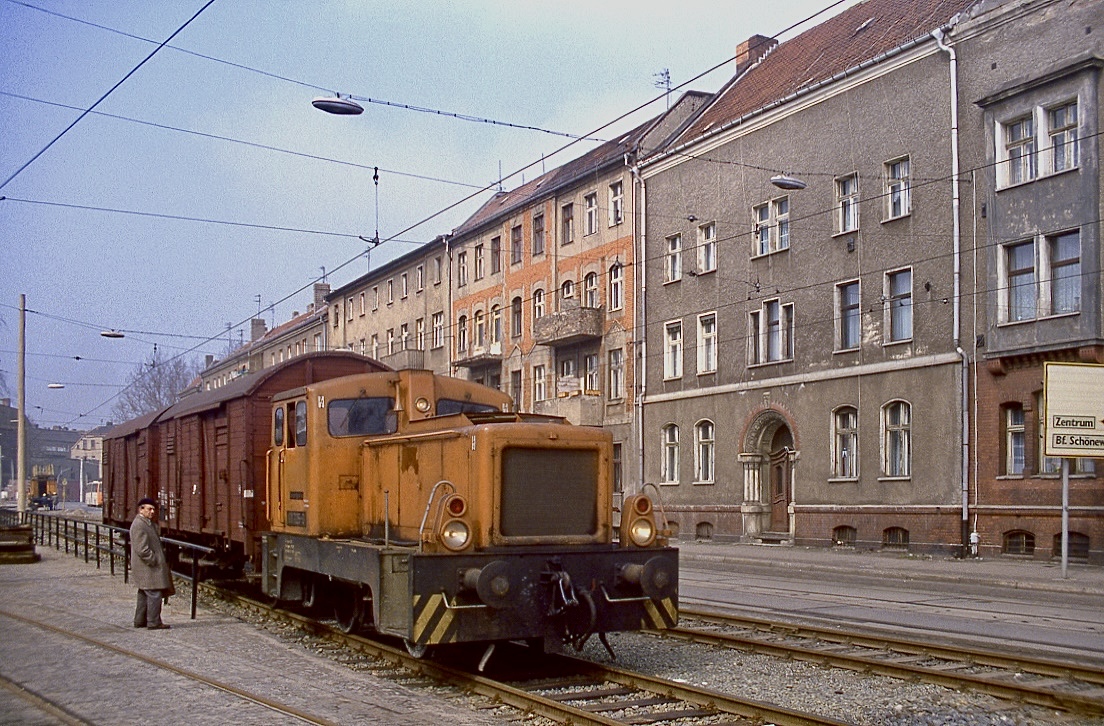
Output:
[[95, 540]]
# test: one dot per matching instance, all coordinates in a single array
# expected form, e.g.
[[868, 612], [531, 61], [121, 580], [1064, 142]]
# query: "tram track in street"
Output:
[[1054, 684]]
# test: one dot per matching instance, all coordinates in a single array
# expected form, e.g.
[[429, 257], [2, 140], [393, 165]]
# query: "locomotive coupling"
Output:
[[491, 582], [654, 577]]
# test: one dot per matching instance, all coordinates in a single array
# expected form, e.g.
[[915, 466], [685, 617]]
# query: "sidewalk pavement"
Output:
[[1026, 574]]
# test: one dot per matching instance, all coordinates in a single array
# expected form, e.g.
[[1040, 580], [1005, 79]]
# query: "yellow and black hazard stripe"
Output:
[[659, 615], [434, 622]]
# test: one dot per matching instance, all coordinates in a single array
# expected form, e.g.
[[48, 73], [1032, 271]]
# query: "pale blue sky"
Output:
[[568, 66]]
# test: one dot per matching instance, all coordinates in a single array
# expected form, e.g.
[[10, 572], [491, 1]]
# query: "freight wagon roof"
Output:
[[126, 428]]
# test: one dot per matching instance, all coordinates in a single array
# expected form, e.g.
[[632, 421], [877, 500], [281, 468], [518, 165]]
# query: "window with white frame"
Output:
[[672, 268], [419, 278], [898, 194], [438, 329], [496, 324], [567, 224], [375, 345], [404, 336], [848, 316], [847, 204], [567, 291], [438, 270], [616, 202], [540, 384], [1015, 439], [362, 303], [375, 297], [538, 304], [590, 290], [772, 226], [707, 248], [404, 285], [462, 268], [898, 305], [1040, 277], [390, 341], [707, 343], [616, 286], [419, 334], [590, 201], [770, 333], [897, 439], [616, 374], [591, 373], [515, 317], [349, 309], [845, 443], [538, 234], [480, 330], [462, 334], [704, 443], [479, 262], [670, 473], [1043, 141], [672, 349], [1062, 127]]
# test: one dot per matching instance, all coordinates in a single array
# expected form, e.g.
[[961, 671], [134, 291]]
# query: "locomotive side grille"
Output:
[[549, 492]]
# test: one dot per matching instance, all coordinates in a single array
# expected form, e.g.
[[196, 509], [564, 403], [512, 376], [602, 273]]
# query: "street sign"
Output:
[[1073, 410]]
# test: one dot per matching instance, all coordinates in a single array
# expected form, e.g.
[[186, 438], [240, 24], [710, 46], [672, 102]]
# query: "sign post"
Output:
[[1073, 423]]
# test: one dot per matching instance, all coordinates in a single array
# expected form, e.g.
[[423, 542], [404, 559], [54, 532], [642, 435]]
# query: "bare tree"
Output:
[[155, 383]]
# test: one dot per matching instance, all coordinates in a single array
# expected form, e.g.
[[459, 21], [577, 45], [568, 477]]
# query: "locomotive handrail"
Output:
[[429, 505], [631, 598], [658, 501], [450, 606]]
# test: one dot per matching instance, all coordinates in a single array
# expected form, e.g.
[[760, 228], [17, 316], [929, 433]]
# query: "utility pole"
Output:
[[21, 435]]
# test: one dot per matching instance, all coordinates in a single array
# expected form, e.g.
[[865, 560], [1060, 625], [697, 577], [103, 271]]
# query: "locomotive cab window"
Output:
[[300, 423], [362, 416], [447, 406], [278, 426]]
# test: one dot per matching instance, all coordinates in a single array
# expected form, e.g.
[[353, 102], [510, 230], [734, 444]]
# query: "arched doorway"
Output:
[[769, 456]]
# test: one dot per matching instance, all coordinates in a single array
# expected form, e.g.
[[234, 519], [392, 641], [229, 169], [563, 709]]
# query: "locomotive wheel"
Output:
[[349, 610], [417, 650]]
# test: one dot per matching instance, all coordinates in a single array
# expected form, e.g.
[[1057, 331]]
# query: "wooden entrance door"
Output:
[[780, 490]]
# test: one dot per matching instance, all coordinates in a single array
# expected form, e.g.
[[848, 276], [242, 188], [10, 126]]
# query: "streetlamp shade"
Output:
[[785, 181], [111, 334], [338, 105], [55, 385]]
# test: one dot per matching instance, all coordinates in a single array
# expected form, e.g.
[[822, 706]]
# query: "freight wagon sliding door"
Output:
[[216, 475], [189, 455]]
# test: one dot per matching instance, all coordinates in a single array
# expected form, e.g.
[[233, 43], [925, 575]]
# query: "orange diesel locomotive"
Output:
[[417, 505]]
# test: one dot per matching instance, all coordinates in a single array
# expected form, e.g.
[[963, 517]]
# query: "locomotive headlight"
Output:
[[642, 532], [455, 534]]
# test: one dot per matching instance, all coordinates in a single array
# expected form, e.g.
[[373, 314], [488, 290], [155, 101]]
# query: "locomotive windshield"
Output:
[[362, 416], [446, 406]]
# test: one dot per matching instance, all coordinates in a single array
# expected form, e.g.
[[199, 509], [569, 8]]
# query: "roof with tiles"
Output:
[[857, 35]]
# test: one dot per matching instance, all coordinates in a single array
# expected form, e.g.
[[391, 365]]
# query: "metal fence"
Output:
[[99, 542]]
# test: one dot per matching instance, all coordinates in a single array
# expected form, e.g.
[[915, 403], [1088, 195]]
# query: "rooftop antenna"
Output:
[[500, 175], [257, 299], [374, 242], [323, 268], [663, 80]]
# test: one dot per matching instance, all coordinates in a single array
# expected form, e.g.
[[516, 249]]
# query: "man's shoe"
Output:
[[139, 626], [162, 626]]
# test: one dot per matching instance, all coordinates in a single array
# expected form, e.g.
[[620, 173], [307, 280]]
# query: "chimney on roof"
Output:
[[208, 361], [751, 50], [321, 290], [257, 329]]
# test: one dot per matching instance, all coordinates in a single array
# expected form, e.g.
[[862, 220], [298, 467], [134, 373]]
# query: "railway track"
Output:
[[564, 689], [1054, 684]]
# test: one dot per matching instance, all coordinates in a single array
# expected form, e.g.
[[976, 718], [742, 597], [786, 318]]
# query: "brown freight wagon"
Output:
[[203, 458]]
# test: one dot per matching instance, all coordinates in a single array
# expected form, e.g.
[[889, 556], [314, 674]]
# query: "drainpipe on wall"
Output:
[[640, 367], [940, 34]]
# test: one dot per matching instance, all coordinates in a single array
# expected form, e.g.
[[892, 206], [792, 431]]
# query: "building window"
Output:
[[845, 443], [707, 343], [375, 344], [1020, 266], [895, 538], [847, 204], [672, 352], [538, 304], [419, 277], [844, 535], [567, 224], [515, 317], [670, 454], [496, 324], [496, 255], [567, 290], [897, 439], [703, 452], [390, 341], [362, 304], [616, 203], [462, 269], [1078, 546], [1018, 542], [438, 270], [590, 290], [616, 374], [849, 328], [404, 336], [538, 234], [672, 268], [404, 285], [770, 334], [375, 297], [515, 245], [591, 203], [898, 190], [438, 330], [1015, 438], [419, 334], [515, 388], [772, 226], [349, 309], [462, 334], [1064, 252], [540, 389], [591, 373], [619, 474], [1062, 123], [898, 305], [707, 248], [616, 286], [1019, 150], [480, 330], [480, 269]]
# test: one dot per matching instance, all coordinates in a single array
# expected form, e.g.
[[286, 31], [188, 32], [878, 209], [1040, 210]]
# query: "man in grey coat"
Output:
[[148, 567]]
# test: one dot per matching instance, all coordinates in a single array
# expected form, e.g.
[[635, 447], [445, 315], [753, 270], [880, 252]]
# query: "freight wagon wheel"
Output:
[[349, 609]]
